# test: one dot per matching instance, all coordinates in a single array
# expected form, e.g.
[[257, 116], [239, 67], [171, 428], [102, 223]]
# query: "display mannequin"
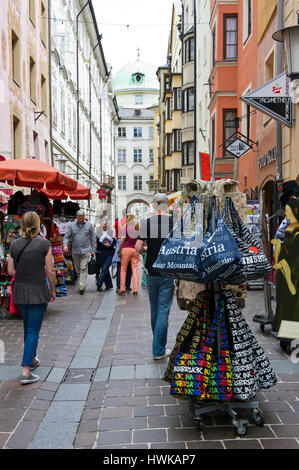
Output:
[[287, 265]]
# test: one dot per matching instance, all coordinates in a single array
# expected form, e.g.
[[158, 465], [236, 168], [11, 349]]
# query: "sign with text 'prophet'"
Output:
[[274, 99]]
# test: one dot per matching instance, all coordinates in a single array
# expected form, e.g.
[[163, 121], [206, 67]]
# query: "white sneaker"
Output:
[[166, 354], [30, 379]]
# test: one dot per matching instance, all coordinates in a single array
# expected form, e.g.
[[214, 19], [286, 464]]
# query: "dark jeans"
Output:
[[128, 278], [32, 318], [105, 273]]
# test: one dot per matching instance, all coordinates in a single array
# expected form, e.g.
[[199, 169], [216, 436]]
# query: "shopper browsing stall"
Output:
[[29, 262]]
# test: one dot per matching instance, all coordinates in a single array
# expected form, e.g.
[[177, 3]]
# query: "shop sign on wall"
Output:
[[268, 158], [274, 99]]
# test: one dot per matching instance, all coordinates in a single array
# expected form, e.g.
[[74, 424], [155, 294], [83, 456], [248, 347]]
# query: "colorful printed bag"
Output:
[[200, 376], [254, 263], [179, 253], [252, 370]]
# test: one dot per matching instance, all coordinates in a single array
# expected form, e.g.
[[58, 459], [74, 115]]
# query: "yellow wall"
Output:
[[266, 9]]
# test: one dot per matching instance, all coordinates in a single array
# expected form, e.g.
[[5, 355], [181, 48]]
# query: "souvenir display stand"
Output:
[[231, 407], [217, 364]]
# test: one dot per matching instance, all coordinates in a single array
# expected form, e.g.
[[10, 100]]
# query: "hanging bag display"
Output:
[[204, 375], [252, 370], [220, 258], [179, 253], [254, 263]]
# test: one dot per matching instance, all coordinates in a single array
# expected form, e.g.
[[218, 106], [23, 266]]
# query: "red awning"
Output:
[[33, 173], [81, 193]]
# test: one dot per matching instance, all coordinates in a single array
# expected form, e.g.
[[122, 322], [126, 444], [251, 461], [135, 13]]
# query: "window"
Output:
[[188, 153], [138, 99], [177, 99], [121, 155], [189, 99], [122, 182], [137, 155], [168, 144], [176, 141], [137, 183], [269, 67], [229, 126], [17, 138], [32, 80], [230, 37], [36, 145], [214, 46], [44, 21], [137, 132], [32, 11], [151, 155], [122, 132], [62, 105], [54, 104], [247, 19], [15, 57], [75, 128], [44, 97], [151, 132], [189, 50]]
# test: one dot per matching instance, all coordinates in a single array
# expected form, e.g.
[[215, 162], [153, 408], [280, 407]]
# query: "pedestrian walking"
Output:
[[153, 231], [128, 253], [82, 235], [105, 252], [29, 262], [119, 228]]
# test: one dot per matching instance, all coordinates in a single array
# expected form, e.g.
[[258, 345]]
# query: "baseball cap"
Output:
[[160, 198]]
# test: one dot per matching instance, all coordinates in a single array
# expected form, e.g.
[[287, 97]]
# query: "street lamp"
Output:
[[290, 37], [61, 163]]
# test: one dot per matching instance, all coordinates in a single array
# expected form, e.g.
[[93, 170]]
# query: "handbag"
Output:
[[252, 370], [254, 263], [219, 254], [204, 375], [179, 253], [92, 266]]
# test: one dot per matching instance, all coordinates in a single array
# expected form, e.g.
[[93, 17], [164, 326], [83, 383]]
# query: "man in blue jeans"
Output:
[[153, 231]]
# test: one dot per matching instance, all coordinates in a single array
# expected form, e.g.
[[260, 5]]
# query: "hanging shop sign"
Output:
[[238, 148], [102, 193], [205, 166], [274, 99]]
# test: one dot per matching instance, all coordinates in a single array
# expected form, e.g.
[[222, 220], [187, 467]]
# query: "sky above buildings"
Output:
[[127, 25]]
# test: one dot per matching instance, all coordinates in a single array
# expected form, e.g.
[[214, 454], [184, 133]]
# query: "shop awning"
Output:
[[79, 194], [172, 197], [33, 173]]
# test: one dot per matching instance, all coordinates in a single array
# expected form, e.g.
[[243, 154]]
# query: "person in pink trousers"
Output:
[[128, 253]]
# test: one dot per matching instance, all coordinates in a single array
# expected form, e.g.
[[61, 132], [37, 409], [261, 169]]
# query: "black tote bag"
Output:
[[254, 263]]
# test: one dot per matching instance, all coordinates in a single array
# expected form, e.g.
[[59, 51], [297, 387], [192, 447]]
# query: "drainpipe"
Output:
[[279, 61], [195, 94], [50, 85], [78, 91]]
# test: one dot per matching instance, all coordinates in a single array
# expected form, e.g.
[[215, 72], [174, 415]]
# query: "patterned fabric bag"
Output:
[[191, 322], [220, 258], [179, 253], [252, 370], [202, 376], [254, 263]]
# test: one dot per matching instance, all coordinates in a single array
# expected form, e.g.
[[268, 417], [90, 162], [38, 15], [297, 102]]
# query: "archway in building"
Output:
[[138, 207]]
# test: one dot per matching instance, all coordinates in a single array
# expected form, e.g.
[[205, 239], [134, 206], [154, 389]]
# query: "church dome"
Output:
[[136, 76]]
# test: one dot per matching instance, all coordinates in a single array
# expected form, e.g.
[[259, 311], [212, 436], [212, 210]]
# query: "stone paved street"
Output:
[[100, 387]]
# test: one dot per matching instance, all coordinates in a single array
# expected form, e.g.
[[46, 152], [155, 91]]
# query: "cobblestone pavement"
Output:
[[100, 387]]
